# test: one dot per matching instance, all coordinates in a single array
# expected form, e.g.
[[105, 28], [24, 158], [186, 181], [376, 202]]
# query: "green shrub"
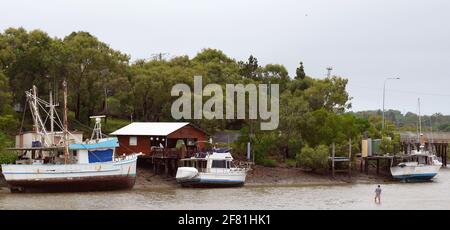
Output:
[[313, 158], [8, 157], [386, 146], [5, 156]]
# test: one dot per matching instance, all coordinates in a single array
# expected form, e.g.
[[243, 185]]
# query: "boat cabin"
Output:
[[94, 151], [204, 162], [418, 158]]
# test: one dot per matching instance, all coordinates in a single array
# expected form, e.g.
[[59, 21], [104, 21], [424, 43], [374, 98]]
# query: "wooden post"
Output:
[[445, 155], [366, 165], [350, 157], [175, 167], [332, 159], [378, 166], [361, 164], [389, 163], [166, 167]]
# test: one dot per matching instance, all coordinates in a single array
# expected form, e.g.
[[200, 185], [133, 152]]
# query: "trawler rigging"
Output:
[[85, 166]]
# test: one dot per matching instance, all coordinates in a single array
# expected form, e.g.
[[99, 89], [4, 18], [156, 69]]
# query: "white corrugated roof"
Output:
[[150, 128]]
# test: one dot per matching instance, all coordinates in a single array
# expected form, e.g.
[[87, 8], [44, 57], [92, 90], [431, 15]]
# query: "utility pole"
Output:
[[329, 69], [159, 56]]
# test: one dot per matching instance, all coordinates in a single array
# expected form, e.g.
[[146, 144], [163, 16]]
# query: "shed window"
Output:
[[191, 142], [133, 141]]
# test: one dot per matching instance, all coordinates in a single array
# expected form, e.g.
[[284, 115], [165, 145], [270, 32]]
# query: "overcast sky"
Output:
[[365, 41]]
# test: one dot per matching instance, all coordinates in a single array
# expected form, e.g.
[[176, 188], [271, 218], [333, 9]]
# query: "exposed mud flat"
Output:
[[257, 176]]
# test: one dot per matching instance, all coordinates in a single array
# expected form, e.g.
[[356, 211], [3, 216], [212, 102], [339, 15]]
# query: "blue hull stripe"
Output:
[[219, 181], [424, 176], [211, 181], [68, 172]]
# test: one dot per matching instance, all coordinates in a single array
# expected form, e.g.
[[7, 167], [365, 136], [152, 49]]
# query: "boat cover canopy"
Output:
[[111, 142]]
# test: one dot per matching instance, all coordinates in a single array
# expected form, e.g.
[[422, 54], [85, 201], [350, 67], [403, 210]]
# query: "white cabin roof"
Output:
[[149, 128], [220, 156]]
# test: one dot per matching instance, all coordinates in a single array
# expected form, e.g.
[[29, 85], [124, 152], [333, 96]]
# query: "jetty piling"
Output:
[[334, 159]]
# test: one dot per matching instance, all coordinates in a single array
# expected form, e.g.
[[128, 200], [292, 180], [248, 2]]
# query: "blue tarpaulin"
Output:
[[100, 155]]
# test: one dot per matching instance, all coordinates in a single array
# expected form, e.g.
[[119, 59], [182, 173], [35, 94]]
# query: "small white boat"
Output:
[[422, 166], [214, 169]]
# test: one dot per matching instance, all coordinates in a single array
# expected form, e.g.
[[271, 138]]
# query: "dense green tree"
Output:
[[300, 72], [250, 68], [101, 80], [91, 65]]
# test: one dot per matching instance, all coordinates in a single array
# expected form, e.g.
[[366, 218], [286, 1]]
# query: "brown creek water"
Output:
[[395, 195]]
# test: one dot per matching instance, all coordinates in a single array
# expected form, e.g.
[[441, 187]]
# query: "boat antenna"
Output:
[[51, 106], [431, 135], [66, 144], [420, 123], [97, 131]]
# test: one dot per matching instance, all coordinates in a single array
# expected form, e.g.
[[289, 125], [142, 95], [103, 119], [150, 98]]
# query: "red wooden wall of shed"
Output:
[[143, 142], [143, 145], [189, 131]]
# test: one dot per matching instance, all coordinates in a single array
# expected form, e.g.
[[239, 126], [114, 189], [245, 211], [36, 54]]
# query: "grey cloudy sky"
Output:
[[364, 40]]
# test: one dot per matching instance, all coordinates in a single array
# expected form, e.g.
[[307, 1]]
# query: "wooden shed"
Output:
[[160, 138]]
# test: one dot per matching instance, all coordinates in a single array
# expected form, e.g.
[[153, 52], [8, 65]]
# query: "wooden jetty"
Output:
[[437, 141], [165, 161], [347, 160]]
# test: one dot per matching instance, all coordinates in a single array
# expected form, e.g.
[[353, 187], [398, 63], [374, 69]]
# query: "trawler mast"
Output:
[[66, 145], [38, 105]]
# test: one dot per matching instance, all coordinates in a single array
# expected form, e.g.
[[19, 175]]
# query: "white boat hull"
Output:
[[118, 174], [415, 173], [213, 178]]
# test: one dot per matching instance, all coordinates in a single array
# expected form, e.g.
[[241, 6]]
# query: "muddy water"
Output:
[[431, 195]]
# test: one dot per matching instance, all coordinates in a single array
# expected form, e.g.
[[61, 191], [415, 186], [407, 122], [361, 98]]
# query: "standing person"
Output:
[[378, 195]]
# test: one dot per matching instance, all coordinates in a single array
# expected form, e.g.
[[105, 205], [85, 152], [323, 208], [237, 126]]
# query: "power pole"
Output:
[[329, 68], [159, 56]]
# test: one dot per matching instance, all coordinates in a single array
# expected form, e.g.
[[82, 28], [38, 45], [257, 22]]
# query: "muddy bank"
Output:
[[147, 179], [257, 176], [265, 176], [260, 175]]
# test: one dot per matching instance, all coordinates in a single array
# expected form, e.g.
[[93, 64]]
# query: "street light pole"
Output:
[[384, 90]]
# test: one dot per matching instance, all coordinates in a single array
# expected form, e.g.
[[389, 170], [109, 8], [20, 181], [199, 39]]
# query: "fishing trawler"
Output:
[[420, 165], [211, 169], [57, 161]]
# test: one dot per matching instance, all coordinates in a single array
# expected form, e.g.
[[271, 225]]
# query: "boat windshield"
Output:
[[221, 164]]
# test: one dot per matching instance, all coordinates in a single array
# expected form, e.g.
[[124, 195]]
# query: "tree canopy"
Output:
[[102, 80]]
